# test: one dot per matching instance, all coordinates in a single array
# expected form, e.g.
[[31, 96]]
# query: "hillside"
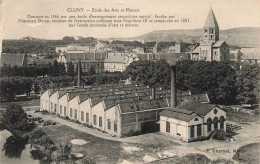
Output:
[[242, 36]]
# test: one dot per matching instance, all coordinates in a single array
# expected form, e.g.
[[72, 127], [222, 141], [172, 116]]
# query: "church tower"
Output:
[[210, 29]]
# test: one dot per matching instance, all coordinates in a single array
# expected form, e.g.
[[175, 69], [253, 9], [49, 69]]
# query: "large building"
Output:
[[117, 109], [210, 47], [87, 60], [192, 120], [13, 59]]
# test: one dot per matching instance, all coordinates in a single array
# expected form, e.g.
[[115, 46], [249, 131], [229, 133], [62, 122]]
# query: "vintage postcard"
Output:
[[141, 81]]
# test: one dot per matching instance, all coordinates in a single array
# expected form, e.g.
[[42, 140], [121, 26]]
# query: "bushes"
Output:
[[219, 135], [248, 153]]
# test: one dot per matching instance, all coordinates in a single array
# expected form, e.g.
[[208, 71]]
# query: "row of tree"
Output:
[[52, 69], [17, 85], [224, 82]]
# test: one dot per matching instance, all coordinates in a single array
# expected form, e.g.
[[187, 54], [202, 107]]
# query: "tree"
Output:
[[149, 73], [248, 84], [70, 69], [55, 68], [92, 70], [15, 119]]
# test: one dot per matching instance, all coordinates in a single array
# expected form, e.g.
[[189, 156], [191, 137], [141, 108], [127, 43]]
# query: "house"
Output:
[[210, 47], [250, 55], [235, 55], [115, 61], [13, 59], [88, 60], [192, 120]]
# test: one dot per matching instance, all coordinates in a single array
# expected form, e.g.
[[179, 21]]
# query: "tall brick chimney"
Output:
[[79, 73], [173, 87]]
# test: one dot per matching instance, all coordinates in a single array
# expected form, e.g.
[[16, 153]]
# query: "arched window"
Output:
[[209, 122], [196, 119], [215, 120], [221, 120]]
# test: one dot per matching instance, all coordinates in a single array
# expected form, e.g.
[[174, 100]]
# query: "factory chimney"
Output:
[[173, 87], [79, 73]]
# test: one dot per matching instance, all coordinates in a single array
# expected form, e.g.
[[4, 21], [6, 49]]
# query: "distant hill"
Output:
[[242, 36]]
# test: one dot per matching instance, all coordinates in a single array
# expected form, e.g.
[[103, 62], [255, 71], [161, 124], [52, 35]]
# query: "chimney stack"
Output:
[[173, 87], [79, 73]]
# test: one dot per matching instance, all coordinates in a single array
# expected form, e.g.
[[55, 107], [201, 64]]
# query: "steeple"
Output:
[[210, 29], [211, 21]]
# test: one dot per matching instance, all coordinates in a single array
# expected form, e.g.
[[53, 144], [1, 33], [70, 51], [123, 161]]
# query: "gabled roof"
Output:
[[13, 59], [211, 20], [71, 95], [197, 107], [179, 114], [219, 43], [83, 97]]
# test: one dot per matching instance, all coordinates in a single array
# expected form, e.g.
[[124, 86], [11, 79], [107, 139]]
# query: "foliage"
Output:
[[248, 153], [15, 119], [219, 135], [248, 84], [152, 74], [14, 146], [70, 69], [215, 78]]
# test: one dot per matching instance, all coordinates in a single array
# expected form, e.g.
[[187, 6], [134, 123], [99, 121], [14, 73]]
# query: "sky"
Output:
[[229, 14]]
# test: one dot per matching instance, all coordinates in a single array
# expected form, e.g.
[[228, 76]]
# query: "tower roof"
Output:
[[211, 20]]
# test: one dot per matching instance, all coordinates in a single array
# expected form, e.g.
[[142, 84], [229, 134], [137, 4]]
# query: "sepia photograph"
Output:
[[129, 82]]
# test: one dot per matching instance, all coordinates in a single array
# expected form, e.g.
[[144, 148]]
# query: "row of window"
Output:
[[100, 123], [192, 131]]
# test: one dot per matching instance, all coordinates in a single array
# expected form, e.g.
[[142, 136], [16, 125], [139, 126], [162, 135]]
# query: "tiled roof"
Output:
[[219, 43], [197, 107], [178, 114], [13, 59], [116, 58]]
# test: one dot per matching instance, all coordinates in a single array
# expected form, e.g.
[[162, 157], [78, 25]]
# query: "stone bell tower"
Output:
[[210, 29]]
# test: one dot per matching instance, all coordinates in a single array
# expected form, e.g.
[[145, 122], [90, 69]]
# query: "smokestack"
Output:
[[153, 93], [79, 73], [173, 87]]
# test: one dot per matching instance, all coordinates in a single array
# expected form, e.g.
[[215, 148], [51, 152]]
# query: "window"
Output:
[[70, 112], [51, 106], [55, 108], [205, 30], [87, 117], [215, 120], [209, 122], [64, 111], [221, 120], [108, 124], [60, 109], [192, 131], [95, 119], [198, 130], [205, 58], [75, 114], [100, 121], [168, 127], [196, 119], [115, 127], [82, 116]]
